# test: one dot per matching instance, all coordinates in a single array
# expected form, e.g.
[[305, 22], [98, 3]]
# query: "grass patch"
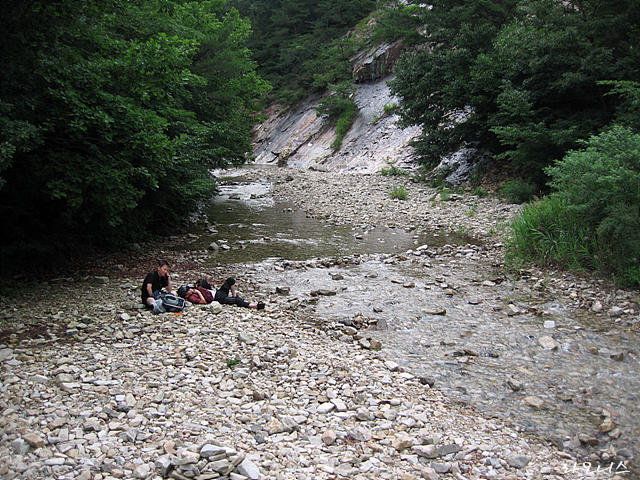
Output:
[[393, 171], [399, 193], [232, 362]]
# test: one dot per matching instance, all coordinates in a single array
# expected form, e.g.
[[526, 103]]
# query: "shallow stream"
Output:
[[575, 383], [250, 228]]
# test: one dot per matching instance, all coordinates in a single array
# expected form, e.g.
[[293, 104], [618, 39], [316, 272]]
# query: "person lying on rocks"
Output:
[[153, 285], [199, 295], [227, 295]]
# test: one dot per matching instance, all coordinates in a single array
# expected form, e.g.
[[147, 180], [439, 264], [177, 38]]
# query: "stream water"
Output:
[[250, 228], [576, 382]]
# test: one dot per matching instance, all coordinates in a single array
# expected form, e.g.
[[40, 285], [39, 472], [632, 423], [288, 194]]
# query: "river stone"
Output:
[[324, 292], [548, 343], [434, 311], [326, 407], [514, 384], [208, 451], [142, 472], [518, 461], [381, 324], [402, 442], [607, 425], [246, 338], [6, 353], [533, 402], [440, 467], [392, 366], [427, 451], [617, 356], [359, 434], [587, 439], [20, 446], [512, 310], [329, 437], [248, 469]]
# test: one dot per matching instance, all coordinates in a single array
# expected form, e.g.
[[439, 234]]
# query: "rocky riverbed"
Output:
[[422, 364]]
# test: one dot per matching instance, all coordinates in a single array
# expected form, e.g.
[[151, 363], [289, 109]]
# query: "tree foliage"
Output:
[[592, 219], [112, 113], [525, 78], [300, 45]]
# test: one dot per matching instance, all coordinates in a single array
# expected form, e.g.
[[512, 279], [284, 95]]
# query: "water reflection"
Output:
[[251, 227]]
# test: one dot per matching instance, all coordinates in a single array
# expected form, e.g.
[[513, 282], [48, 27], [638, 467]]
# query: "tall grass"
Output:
[[547, 234], [592, 221]]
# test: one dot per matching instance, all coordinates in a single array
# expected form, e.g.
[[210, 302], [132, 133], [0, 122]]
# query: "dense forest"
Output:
[[113, 113]]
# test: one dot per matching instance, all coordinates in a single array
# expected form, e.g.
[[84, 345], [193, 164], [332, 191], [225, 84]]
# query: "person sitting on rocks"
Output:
[[227, 295], [198, 295], [153, 286]]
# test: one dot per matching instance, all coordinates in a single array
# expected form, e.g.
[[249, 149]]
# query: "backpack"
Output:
[[203, 283], [171, 303]]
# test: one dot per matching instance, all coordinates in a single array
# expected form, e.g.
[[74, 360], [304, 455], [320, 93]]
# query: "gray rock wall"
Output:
[[301, 138]]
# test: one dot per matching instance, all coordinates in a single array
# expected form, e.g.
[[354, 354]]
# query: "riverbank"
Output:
[[94, 387]]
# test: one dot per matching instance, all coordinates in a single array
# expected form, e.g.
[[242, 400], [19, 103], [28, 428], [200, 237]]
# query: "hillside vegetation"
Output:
[[113, 113]]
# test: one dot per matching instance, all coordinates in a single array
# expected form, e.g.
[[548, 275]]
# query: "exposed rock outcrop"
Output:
[[301, 138], [372, 66]]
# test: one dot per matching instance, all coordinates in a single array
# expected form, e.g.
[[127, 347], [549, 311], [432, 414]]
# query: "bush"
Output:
[[341, 109], [392, 170], [480, 192], [592, 220], [518, 191], [399, 193]]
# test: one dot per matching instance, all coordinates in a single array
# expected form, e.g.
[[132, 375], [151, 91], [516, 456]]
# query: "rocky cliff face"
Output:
[[300, 137]]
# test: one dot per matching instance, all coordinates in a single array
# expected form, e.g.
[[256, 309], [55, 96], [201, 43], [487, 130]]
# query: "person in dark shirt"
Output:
[[153, 284], [227, 295]]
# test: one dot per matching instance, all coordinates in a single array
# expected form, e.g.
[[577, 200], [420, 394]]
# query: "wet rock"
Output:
[[534, 402], [548, 343], [607, 425]]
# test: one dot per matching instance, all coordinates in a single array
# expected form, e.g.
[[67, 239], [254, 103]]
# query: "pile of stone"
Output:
[[232, 393]]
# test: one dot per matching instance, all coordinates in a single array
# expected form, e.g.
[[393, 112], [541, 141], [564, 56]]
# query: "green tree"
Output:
[[522, 78], [300, 45], [592, 219], [112, 114]]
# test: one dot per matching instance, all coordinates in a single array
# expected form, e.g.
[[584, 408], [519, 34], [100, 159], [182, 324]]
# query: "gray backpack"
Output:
[[171, 303]]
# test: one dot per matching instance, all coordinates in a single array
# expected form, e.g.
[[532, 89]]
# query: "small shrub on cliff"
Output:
[[392, 170], [341, 109]]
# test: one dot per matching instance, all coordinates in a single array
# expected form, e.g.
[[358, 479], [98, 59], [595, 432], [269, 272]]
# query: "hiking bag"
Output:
[[171, 303]]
